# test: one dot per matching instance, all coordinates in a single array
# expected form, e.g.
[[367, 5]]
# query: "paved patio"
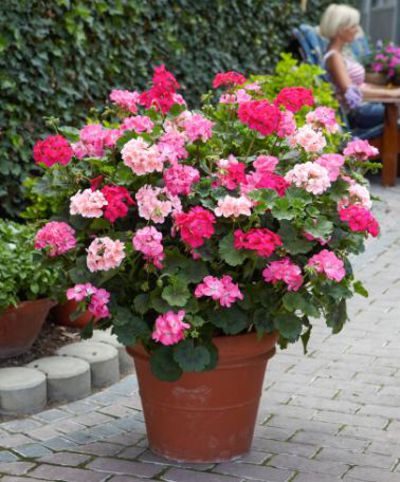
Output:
[[331, 415]]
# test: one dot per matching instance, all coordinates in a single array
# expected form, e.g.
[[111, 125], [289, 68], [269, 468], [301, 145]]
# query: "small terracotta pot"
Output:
[[61, 314], [20, 326], [207, 416], [375, 78]]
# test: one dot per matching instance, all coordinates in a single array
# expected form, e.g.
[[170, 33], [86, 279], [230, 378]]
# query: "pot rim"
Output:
[[26, 303]]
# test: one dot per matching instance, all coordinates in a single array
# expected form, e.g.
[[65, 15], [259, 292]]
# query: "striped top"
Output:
[[355, 70]]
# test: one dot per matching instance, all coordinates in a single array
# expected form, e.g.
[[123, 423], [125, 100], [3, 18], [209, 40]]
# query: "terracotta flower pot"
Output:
[[62, 315], [375, 78], [207, 416], [20, 326]]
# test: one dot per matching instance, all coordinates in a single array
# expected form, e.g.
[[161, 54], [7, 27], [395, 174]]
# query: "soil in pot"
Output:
[[207, 416], [20, 326]]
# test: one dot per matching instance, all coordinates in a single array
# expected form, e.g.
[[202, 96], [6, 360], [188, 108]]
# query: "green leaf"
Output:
[[295, 301], [319, 228], [289, 326], [263, 321], [191, 358], [189, 270], [337, 316], [293, 242], [163, 365], [281, 210], [227, 251], [360, 289], [142, 303], [231, 320], [305, 338], [176, 293], [128, 327]]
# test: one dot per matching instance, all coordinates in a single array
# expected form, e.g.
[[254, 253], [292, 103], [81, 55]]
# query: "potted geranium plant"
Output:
[[26, 285], [384, 65], [204, 237]]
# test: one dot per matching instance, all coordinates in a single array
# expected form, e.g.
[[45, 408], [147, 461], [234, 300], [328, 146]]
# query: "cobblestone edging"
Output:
[[332, 415], [76, 370]]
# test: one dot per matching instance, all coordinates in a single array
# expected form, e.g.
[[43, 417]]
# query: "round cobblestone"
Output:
[[102, 358], [125, 360], [68, 378], [22, 391]]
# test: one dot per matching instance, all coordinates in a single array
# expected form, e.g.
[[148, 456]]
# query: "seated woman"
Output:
[[340, 24]]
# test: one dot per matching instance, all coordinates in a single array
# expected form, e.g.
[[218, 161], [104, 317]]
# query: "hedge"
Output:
[[59, 57]]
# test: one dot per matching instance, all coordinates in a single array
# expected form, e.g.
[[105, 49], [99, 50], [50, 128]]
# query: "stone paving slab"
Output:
[[328, 416]]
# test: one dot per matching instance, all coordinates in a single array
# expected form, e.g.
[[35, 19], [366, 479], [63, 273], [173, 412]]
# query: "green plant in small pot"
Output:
[[27, 282], [203, 238]]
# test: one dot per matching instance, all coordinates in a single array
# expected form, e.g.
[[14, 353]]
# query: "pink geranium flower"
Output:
[[59, 237], [155, 203], [230, 206], [222, 290], [149, 241], [284, 270], [310, 176], [170, 328], [309, 139], [195, 226], [53, 150], [323, 118], [97, 297], [141, 157], [179, 179], [360, 150], [328, 263], [360, 219], [261, 240], [332, 163], [104, 254], [88, 203]]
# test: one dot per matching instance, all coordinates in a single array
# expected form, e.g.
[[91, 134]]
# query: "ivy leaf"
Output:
[[231, 320], [191, 358], [176, 293], [289, 326], [163, 365], [227, 251], [360, 289]]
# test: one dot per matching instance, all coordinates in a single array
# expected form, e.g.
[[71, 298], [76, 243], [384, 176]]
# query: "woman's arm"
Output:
[[372, 91], [338, 71]]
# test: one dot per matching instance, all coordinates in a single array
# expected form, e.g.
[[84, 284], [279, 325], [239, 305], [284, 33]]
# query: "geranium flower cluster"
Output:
[[53, 150], [199, 222], [97, 298], [387, 60]]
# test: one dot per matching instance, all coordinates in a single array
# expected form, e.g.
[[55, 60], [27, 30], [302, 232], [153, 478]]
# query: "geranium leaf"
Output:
[[163, 365], [229, 253], [191, 358], [176, 293], [289, 326], [231, 320]]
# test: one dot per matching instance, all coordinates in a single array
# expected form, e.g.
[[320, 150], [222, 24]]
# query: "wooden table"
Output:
[[389, 143]]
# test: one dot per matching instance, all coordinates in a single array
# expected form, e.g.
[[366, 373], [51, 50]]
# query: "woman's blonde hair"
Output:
[[337, 17]]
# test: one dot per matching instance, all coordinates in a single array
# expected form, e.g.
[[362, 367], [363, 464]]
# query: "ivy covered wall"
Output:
[[58, 57]]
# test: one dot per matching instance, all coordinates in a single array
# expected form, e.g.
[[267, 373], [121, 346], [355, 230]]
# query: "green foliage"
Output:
[[24, 274], [59, 58]]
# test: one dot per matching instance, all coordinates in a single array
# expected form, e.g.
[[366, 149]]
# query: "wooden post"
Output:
[[390, 145]]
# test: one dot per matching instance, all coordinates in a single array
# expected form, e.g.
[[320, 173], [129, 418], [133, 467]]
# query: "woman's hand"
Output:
[[395, 92]]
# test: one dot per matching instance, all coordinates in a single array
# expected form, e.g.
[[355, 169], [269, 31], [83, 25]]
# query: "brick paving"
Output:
[[328, 416]]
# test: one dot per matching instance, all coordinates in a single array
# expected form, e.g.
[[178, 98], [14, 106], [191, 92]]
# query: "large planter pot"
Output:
[[61, 314], [376, 78], [20, 326], [207, 416]]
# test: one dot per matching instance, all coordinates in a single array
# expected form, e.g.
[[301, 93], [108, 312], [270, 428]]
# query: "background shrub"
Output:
[[59, 57]]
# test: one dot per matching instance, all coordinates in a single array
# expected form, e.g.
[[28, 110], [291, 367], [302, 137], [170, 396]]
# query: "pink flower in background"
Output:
[[294, 98], [328, 263], [98, 298], [360, 219], [264, 180], [197, 127], [58, 236], [195, 226], [287, 124], [111, 136], [227, 99], [104, 254], [141, 157], [323, 118], [332, 163], [242, 96], [260, 115], [179, 179], [360, 150], [309, 139], [162, 95], [88, 203], [229, 79], [172, 146], [155, 203], [139, 123], [231, 206], [53, 150], [231, 173], [149, 241], [170, 328], [284, 270], [261, 240], [310, 176], [222, 290], [125, 99], [118, 202]]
